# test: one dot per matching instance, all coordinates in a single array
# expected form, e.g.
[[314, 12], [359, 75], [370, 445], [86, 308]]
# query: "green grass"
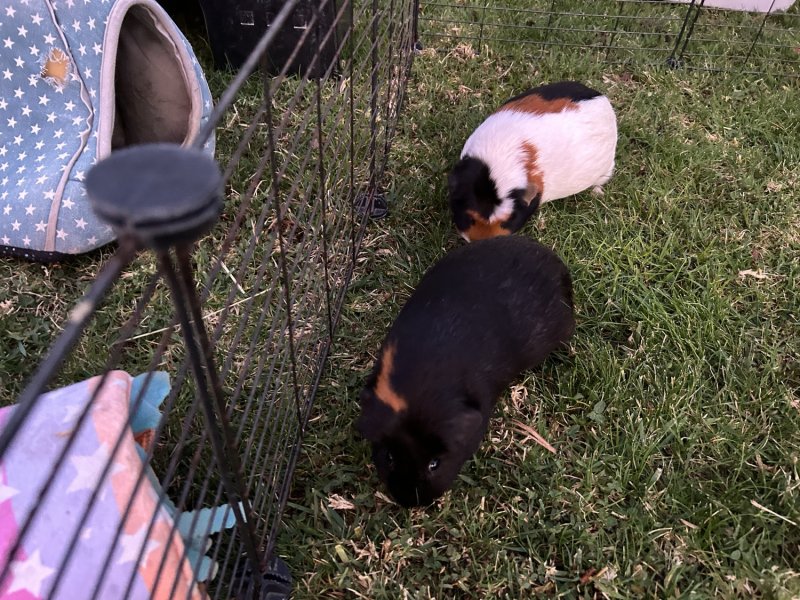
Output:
[[676, 412]]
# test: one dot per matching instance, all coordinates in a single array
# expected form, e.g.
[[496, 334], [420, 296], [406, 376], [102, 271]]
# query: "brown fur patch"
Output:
[[383, 388], [481, 229], [534, 175], [536, 105]]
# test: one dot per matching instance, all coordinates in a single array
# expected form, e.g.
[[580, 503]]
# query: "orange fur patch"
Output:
[[481, 229], [534, 175], [383, 389], [536, 105]]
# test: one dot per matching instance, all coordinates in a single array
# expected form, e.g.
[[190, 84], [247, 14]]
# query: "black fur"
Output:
[[573, 90], [471, 188], [481, 316]]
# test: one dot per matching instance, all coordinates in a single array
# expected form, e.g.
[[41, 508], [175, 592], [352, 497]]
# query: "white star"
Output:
[[3, 103], [49, 195], [34, 50], [35, 129], [4, 167], [17, 140], [62, 156], [23, 194], [18, 93], [7, 492], [15, 225], [22, 31], [58, 133], [6, 74], [51, 118], [92, 92], [6, 241], [26, 240], [39, 146], [22, 156], [90, 466], [29, 209], [29, 575], [77, 120], [70, 3], [33, 80], [41, 179], [132, 545], [26, 111], [8, 43], [41, 226], [49, 40], [3, 151], [62, 235], [79, 175], [92, 241], [82, 50], [80, 223], [21, 169], [10, 12], [68, 203], [86, 533], [71, 411], [37, 20], [87, 73], [90, 23], [12, 122], [69, 105], [43, 99], [76, 25]]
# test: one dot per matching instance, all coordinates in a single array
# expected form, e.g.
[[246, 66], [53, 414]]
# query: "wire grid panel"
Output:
[[235, 329], [752, 43], [621, 31]]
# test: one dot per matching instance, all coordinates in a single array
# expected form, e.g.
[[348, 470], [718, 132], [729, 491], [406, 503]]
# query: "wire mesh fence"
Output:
[[694, 34], [164, 470]]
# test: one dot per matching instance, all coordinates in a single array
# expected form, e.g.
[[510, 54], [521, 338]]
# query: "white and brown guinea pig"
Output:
[[550, 142]]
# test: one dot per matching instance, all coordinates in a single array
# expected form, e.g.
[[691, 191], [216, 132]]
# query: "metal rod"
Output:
[[215, 417]]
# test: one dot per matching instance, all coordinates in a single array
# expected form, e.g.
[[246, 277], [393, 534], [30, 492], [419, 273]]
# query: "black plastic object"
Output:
[[274, 581], [235, 26], [158, 194]]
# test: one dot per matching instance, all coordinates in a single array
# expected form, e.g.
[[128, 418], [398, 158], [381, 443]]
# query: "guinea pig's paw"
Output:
[[598, 190]]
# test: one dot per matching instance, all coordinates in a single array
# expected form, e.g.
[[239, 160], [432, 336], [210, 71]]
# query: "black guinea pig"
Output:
[[478, 318], [550, 142]]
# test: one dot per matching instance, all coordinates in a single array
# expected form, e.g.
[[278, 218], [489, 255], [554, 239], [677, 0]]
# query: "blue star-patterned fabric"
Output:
[[58, 62]]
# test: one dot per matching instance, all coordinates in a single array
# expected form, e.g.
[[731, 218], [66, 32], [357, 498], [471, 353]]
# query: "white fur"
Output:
[[575, 150]]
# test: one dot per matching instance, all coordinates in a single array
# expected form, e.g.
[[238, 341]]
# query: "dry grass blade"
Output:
[[531, 432], [772, 512]]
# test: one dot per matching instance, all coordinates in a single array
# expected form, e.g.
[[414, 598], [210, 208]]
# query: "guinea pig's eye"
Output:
[[390, 459], [433, 465]]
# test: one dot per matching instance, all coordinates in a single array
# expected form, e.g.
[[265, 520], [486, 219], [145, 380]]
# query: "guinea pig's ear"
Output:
[[467, 429], [452, 181], [376, 417]]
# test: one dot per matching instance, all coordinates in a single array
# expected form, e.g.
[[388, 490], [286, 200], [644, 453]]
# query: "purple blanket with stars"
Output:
[[120, 543], [79, 79]]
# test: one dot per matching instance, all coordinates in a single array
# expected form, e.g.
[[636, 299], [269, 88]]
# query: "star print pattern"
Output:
[[49, 130], [146, 538]]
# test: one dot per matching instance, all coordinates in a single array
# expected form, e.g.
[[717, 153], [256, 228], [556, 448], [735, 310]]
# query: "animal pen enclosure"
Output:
[[232, 333], [690, 34]]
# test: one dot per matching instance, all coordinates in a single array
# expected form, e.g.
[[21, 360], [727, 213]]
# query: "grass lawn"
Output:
[[676, 412]]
